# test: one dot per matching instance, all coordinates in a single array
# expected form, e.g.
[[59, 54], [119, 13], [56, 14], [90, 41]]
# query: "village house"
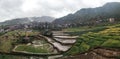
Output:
[[111, 20]]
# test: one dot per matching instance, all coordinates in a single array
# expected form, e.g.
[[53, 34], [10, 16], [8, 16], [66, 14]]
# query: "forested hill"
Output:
[[109, 10]]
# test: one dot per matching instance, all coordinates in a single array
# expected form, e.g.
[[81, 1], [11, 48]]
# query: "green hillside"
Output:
[[7, 39], [89, 38]]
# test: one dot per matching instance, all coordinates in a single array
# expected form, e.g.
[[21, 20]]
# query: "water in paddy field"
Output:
[[20, 57]]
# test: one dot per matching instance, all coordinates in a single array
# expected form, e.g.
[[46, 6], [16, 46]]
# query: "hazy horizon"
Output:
[[54, 8]]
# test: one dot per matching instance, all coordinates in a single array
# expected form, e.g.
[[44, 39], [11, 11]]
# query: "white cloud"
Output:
[[55, 8], [29, 5]]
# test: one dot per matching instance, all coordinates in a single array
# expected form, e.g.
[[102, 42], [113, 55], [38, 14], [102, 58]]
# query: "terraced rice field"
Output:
[[109, 37], [7, 39]]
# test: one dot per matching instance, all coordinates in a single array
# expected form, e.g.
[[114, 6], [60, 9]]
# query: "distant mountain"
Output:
[[28, 20], [15, 21], [109, 10], [42, 19]]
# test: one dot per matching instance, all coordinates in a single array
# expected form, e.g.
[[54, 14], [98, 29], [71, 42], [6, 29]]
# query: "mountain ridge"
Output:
[[27, 20], [109, 10]]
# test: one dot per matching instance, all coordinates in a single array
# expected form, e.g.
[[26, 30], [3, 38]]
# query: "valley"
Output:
[[89, 33]]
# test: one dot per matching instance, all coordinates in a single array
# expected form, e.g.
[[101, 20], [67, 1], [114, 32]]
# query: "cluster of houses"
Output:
[[46, 25], [88, 23], [11, 28]]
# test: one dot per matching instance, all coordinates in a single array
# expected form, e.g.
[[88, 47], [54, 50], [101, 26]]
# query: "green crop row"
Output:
[[97, 37]]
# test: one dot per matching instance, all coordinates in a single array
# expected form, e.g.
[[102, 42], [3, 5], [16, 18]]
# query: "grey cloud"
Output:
[[9, 8]]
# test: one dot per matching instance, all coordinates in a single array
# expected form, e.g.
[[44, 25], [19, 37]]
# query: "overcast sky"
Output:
[[56, 8]]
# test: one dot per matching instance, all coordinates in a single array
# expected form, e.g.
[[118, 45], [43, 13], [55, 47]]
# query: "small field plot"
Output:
[[37, 46]]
